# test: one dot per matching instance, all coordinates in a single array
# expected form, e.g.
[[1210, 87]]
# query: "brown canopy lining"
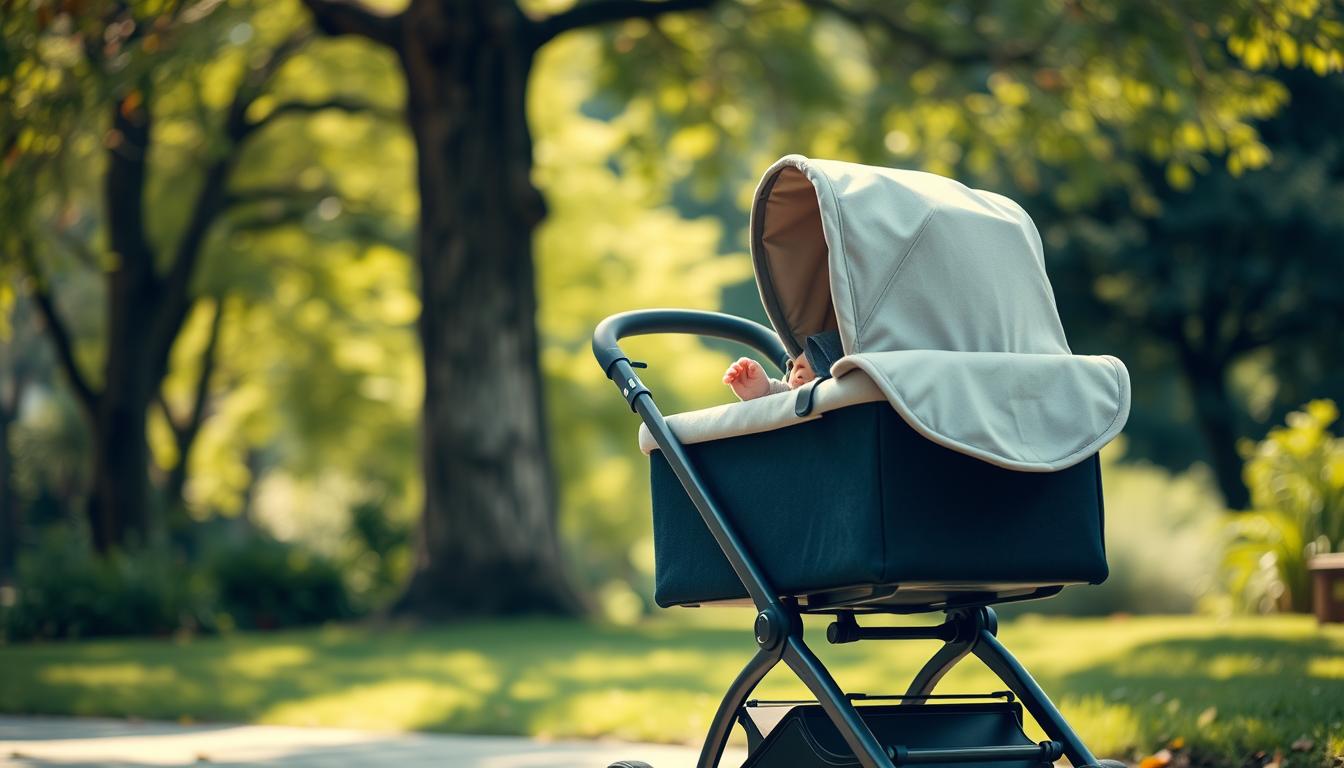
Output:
[[792, 259]]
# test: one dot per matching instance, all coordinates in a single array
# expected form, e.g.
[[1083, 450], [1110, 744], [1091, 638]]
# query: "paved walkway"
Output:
[[30, 742]]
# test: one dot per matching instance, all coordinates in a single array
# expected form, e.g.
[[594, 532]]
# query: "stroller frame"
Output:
[[778, 628]]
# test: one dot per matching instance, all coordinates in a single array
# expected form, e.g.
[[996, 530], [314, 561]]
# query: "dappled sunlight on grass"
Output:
[[263, 662], [1326, 667], [531, 690], [1120, 723], [1129, 685], [1233, 665], [106, 675], [396, 704]]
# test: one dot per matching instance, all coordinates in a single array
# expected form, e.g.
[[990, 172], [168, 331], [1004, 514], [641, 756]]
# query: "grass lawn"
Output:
[[1129, 686]]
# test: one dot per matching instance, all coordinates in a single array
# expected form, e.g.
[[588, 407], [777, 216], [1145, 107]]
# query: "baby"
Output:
[[748, 381]]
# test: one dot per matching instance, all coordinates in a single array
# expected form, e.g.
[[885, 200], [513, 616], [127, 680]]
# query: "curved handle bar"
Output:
[[642, 322]]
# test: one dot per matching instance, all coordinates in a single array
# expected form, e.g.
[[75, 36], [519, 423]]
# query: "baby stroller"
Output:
[[946, 462]]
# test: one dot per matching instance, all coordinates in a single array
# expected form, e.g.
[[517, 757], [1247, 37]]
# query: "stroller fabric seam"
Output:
[[907, 412], [891, 280], [820, 180], [764, 270]]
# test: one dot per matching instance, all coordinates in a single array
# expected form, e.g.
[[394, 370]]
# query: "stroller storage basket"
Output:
[[856, 507], [806, 738]]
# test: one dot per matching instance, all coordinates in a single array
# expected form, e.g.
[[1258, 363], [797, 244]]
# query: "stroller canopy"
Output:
[[940, 296]]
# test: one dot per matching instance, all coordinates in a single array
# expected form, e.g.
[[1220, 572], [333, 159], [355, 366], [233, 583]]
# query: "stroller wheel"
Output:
[[630, 764]]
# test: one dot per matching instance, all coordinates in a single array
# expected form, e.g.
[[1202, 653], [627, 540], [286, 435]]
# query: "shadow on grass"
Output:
[[1225, 697]]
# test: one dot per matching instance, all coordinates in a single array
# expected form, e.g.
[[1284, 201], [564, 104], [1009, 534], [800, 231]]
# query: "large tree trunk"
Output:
[[119, 498], [118, 506], [488, 541], [1217, 418]]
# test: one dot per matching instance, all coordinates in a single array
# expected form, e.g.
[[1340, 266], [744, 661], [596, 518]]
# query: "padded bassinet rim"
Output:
[[860, 380], [764, 414]]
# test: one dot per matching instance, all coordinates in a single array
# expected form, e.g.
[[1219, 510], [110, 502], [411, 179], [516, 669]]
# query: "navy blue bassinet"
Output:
[[856, 508]]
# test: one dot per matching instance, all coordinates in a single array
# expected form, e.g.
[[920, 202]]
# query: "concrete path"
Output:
[[30, 742]]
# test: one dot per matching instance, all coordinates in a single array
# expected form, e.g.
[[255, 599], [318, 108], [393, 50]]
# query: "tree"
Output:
[[21, 365], [1239, 267], [1081, 87], [129, 61]]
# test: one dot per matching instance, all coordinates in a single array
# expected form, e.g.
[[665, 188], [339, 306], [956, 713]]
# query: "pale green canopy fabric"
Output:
[[940, 296]]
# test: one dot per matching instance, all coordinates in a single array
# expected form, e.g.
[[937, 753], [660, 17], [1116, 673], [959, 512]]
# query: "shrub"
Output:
[[376, 558], [65, 592], [1296, 479], [262, 583]]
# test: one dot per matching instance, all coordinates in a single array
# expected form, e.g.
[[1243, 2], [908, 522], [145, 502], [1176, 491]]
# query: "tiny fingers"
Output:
[[744, 369]]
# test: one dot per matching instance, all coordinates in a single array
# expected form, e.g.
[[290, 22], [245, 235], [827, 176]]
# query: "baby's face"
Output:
[[801, 373]]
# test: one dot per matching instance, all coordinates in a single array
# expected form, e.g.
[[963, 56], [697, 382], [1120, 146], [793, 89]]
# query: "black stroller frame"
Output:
[[967, 629]]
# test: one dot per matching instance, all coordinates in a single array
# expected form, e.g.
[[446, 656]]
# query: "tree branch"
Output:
[[351, 17], [307, 108], [185, 433], [211, 199], [930, 48], [124, 183], [259, 195], [57, 330], [599, 12], [235, 122]]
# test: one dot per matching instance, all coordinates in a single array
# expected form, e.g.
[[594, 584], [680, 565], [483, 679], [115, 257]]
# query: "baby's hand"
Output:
[[747, 378]]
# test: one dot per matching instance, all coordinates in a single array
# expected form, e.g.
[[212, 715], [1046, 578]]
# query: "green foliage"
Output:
[[1065, 97], [319, 374], [1296, 477], [611, 243], [377, 558], [266, 584], [1227, 304], [65, 594], [315, 386], [1298, 471], [257, 583]]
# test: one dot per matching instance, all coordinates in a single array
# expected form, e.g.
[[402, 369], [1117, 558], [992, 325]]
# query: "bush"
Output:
[[266, 584], [64, 592], [1296, 479], [376, 557]]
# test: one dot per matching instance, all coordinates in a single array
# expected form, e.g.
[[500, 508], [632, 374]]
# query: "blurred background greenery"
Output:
[[296, 311], [216, 255], [297, 295]]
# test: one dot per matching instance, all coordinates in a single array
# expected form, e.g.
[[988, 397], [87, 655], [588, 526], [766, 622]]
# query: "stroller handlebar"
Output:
[[618, 367], [642, 322]]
